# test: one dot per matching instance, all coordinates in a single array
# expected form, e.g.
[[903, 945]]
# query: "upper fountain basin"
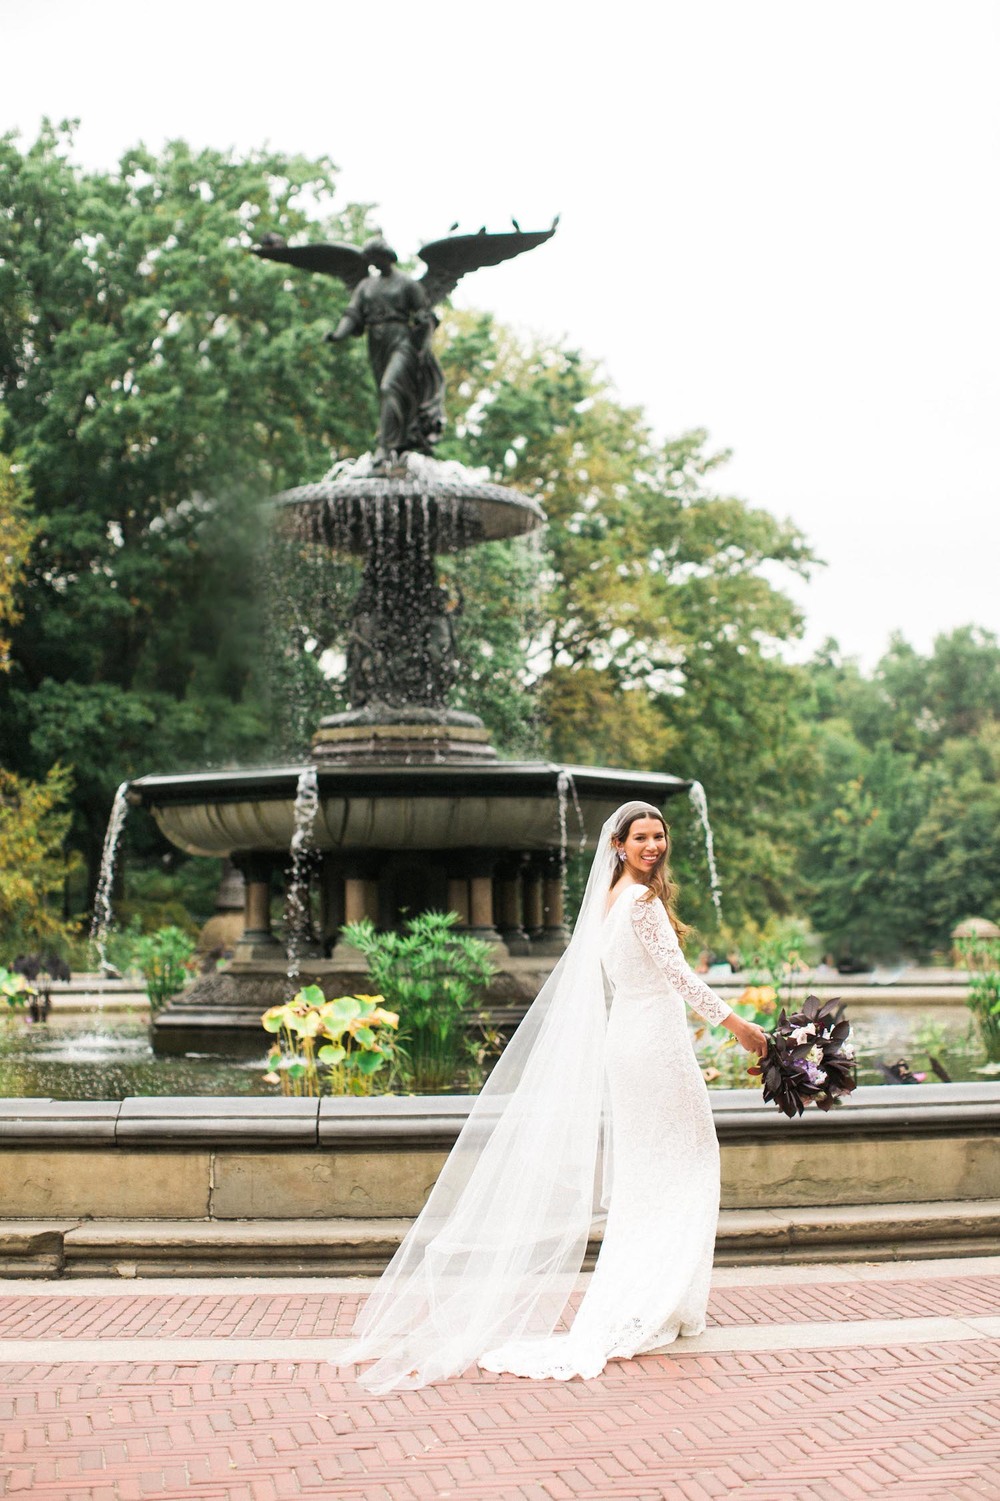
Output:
[[450, 505], [502, 805]]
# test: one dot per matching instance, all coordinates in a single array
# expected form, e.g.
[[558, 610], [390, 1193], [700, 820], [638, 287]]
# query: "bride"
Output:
[[590, 1112]]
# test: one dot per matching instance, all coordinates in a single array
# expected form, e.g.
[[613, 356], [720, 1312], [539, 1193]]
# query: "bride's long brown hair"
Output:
[[661, 883]]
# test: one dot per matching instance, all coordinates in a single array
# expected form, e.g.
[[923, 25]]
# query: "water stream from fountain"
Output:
[[566, 789], [101, 920], [304, 813], [700, 804]]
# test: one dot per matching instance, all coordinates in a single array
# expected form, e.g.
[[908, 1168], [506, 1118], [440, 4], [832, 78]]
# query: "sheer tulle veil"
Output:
[[495, 1252]]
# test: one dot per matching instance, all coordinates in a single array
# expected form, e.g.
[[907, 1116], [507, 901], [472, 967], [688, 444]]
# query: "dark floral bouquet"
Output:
[[809, 1060]]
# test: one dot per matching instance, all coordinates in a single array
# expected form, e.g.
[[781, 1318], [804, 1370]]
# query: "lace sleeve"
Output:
[[655, 932]]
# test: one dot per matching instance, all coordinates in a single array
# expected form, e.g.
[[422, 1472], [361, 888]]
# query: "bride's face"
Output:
[[644, 845]]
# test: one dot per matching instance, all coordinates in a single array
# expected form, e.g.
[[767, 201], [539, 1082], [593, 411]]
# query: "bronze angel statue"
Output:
[[397, 313]]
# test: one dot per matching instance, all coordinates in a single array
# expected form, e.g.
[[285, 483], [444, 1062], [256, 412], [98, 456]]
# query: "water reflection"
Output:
[[107, 1056]]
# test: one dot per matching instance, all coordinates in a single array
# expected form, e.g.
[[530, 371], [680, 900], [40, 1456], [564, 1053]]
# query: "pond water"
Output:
[[107, 1056], [102, 1056]]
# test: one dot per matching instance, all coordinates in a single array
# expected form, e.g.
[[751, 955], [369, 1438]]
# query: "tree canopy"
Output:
[[157, 383], [905, 836]]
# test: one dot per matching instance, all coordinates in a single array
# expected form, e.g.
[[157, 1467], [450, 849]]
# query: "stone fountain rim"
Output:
[[278, 783], [501, 513]]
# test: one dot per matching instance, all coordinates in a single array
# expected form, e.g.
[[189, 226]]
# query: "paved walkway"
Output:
[[824, 1381]]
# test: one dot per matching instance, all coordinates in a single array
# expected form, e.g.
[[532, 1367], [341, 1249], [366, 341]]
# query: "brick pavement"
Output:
[[70, 1314], [905, 1421]]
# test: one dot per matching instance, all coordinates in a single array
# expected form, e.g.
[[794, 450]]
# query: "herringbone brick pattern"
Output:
[[917, 1422], [904, 1423], [240, 1316], [319, 1316], [902, 1299]]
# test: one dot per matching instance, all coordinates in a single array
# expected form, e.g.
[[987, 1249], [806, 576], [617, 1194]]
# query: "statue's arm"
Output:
[[352, 322], [345, 329]]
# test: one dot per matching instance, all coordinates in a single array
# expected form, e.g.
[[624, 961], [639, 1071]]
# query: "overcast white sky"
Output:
[[780, 221]]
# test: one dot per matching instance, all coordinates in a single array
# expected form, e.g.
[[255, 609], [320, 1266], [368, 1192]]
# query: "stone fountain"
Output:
[[404, 805]]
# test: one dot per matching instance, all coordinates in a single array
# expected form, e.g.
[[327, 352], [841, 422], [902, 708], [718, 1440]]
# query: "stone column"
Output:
[[224, 928], [555, 934], [458, 898], [331, 901], [258, 941], [480, 865], [360, 898], [360, 874], [534, 913], [509, 904]]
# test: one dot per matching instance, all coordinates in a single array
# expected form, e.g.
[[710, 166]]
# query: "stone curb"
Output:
[[363, 1247], [435, 1120]]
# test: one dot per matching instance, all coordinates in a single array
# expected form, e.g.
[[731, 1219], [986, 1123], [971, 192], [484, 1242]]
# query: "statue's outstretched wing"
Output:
[[448, 260], [336, 259]]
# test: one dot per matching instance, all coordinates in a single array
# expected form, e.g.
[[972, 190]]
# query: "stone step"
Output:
[[362, 1247]]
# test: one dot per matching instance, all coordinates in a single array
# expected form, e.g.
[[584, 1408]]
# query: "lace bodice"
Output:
[[642, 951]]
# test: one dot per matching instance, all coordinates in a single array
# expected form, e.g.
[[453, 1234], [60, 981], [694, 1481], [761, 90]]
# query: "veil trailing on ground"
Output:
[[495, 1252]]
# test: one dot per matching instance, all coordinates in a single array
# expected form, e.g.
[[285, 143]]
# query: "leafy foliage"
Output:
[[360, 1043], [157, 381], [982, 956], [15, 990], [163, 960], [17, 532], [431, 975], [906, 830], [652, 637], [34, 820]]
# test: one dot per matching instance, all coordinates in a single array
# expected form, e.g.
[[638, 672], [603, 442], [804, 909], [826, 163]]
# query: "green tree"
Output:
[[905, 837], [17, 531], [34, 821], [952, 858], [158, 381], [653, 638], [864, 901]]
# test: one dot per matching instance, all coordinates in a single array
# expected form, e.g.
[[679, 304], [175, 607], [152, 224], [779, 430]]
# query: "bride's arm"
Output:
[[655, 931]]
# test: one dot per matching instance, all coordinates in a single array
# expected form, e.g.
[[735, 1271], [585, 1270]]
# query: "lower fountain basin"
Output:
[[503, 805]]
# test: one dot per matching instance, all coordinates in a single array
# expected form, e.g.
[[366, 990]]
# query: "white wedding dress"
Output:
[[651, 1281], [583, 1113]]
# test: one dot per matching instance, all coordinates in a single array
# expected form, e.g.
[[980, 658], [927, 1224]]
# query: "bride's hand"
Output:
[[751, 1037]]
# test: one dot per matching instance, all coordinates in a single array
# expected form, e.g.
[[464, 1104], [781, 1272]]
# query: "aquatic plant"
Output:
[[982, 960], [342, 1043], [432, 976], [163, 960], [15, 990]]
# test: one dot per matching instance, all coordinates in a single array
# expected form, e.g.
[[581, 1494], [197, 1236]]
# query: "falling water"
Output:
[[566, 789], [700, 804], [578, 810], [304, 814], [562, 804], [101, 921]]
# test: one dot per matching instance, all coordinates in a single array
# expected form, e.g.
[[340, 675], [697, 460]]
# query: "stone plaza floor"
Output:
[[822, 1381]]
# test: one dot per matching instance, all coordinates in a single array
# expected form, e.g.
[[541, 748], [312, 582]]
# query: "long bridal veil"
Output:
[[495, 1252]]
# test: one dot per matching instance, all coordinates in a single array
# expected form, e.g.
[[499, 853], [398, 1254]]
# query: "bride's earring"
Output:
[[621, 855]]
